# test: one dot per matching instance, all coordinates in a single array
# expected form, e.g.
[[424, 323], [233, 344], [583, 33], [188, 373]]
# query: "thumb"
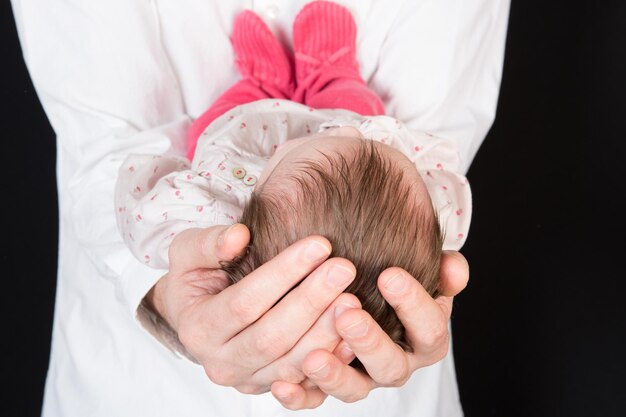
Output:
[[205, 248], [454, 273]]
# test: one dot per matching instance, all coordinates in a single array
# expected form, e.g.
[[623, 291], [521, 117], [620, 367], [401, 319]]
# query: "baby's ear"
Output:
[[345, 131]]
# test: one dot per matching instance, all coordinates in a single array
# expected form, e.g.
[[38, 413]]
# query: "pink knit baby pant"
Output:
[[329, 90]]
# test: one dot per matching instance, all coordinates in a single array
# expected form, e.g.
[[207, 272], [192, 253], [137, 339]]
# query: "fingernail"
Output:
[[340, 308], [358, 329], [283, 397], [321, 372], [338, 276], [396, 284], [222, 237], [346, 353], [316, 252]]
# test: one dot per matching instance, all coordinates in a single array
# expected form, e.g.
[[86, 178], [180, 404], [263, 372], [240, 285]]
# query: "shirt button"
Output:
[[272, 11], [239, 172], [249, 180]]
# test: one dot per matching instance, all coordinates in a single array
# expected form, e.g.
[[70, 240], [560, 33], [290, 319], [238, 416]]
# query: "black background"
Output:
[[538, 332]]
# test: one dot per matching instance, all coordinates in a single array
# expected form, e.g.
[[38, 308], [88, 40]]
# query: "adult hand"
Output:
[[387, 364], [250, 334]]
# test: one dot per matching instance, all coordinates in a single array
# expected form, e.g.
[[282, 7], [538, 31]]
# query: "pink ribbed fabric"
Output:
[[327, 72], [324, 33], [326, 69], [260, 56], [265, 65]]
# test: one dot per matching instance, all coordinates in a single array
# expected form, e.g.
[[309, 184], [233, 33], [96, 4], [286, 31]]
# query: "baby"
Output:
[[365, 197], [295, 153]]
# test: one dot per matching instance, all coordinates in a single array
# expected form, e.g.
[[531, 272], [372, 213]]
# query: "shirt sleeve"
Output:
[[106, 97], [451, 54], [88, 201]]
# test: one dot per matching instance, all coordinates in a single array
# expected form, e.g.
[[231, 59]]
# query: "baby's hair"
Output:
[[365, 206]]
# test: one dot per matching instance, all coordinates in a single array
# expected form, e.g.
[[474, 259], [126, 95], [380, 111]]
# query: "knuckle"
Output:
[[312, 302], [189, 337], [434, 337], [335, 381], [368, 345], [242, 310], [435, 356], [289, 373], [262, 343], [354, 397], [213, 325], [270, 344], [251, 389], [221, 375], [442, 351], [395, 376]]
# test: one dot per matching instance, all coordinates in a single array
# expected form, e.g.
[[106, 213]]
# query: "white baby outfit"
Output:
[[159, 196]]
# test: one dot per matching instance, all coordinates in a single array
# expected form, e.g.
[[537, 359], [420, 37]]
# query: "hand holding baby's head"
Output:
[[365, 197]]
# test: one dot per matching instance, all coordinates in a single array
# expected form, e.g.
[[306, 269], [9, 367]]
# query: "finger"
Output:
[[307, 394], [295, 397], [322, 335], [445, 303], [454, 273], [385, 361], [278, 331], [344, 353], [425, 322], [198, 248], [241, 304], [307, 384], [336, 378]]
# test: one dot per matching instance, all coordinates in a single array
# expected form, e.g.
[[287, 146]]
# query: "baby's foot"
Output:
[[324, 33], [260, 56]]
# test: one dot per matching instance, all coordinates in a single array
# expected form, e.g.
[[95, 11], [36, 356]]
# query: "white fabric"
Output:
[[119, 77], [158, 196]]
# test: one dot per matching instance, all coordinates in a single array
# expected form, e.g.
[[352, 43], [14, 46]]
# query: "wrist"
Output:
[[155, 302], [152, 315]]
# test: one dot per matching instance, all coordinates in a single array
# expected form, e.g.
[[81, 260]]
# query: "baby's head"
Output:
[[365, 197]]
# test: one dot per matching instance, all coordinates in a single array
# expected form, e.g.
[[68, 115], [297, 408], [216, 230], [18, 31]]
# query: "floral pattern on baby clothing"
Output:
[[157, 197]]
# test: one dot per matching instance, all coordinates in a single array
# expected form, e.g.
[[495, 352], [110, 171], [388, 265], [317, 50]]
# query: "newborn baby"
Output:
[[383, 195], [324, 161], [365, 197]]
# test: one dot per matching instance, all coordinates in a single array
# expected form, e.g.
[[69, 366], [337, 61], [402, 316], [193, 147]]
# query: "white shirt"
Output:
[[123, 77]]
